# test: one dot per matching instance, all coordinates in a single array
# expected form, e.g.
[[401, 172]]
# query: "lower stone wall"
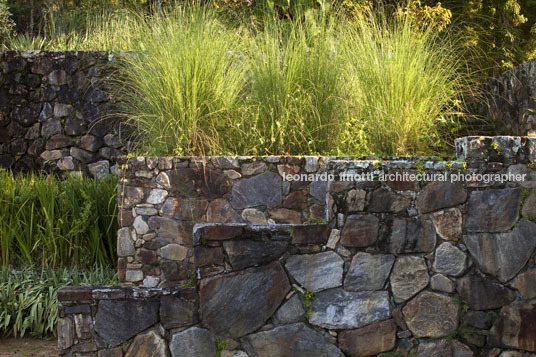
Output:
[[295, 290]]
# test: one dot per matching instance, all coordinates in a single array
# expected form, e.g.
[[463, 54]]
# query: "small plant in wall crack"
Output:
[[221, 345], [461, 331], [308, 298], [459, 301]]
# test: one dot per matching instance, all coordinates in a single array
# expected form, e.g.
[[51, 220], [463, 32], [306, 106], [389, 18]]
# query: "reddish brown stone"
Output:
[[191, 210], [145, 256], [198, 182], [291, 160], [400, 184], [311, 234], [220, 232], [221, 211], [125, 218], [288, 169], [296, 200], [360, 231], [121, 268], [383, 201], [516, 327], [208, 256], [75, 293], [431, 315], [318, 212], [283, 215], [369, 340]]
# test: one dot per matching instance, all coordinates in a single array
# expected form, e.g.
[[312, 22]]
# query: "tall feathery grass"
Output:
[[50, 223], [320, 84], [406, 85]]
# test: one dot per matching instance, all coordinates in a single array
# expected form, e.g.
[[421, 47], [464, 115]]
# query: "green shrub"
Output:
[[6, 23], [28, 299], [48, 222]]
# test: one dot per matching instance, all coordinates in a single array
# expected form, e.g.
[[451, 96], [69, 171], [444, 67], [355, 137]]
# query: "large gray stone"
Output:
[[340, 309], [291, 311], [238, 303], [125, 244], [503, 254], [492, 210], [368, 272], [482, 293], [148, 345], [449, 260], [437, 195], [409, 276], [515, 327], [407, 235], [118, 320], [529, 207], [431, 315], [263, 189], [245, 253], [193, 342], [295, 340], [316, 272]]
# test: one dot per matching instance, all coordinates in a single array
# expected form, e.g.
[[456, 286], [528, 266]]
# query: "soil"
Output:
[[27, 347]]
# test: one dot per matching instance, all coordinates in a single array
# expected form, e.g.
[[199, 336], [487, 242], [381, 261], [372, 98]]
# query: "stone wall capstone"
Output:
[[54, 112]]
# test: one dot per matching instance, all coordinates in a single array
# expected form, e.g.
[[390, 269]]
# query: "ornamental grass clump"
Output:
[[181, 90], [295, 93], [406, 85]]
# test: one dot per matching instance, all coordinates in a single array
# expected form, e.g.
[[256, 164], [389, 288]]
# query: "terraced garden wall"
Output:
[[54, 112], [286, 256]]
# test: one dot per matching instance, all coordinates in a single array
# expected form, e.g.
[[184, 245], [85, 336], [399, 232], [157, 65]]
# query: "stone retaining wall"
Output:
[[53, 112], [322, 268]]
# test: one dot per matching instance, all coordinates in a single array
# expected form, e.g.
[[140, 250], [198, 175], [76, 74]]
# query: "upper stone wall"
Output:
[[53, 112], [511, 98]]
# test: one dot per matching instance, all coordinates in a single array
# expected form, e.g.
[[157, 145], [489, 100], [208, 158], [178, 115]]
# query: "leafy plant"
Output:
[[221, 345], [54, 223], [28, 299]]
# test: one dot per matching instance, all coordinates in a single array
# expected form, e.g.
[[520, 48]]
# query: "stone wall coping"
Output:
[[89, 293], [470, 148]]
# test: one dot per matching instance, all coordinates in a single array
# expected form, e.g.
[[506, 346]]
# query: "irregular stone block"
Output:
[[165, 227], [125, 244], [310, 234], [444, 348], [173, 252], [529, 207], [177, 270], [409, 276], [118, 320], [355, 200], [479, 319], [383, 201], [193, 342], [157, 196], [368, 272], [407, 235], [285, 216], [191, 210], [296, 200], [318, 190], [130, 196], [198, 182], [254, 216], [440, 282], [515, 327], [449, 260], [448, 224], [340, 309], [360, 231], [140, 225], [260, 291], [526, 284], [316, 272], [207, 256], [90, 143], [369, 340], [503, 255], [263, 189], [176, 312], [290, 340], [65, 333], [221, 211], [83, 155], [148, 345], [481, 293], [253, 168], [431, 315], [58, 141], [246, 253], [437, 195], [291, 311], [492, 210]]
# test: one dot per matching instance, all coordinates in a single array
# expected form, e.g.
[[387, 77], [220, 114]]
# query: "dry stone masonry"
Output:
[[225, 255], [54, 112]]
